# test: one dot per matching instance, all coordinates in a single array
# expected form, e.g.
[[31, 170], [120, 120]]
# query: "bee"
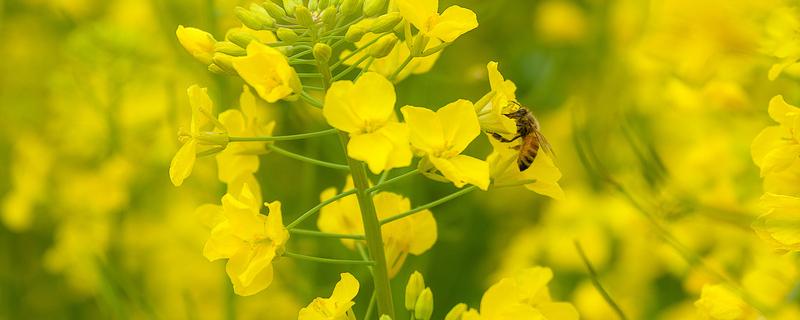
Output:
[[528, 130]]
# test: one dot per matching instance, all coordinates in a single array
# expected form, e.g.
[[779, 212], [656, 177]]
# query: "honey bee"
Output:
[[528, 131]]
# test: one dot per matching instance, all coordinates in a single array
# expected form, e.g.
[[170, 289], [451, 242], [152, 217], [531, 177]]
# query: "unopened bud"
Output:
[[286, 35], [230, 48], [213, 68], [358, 30], [424, 307], [350, 7], [324, 4], [224, 62], [240, 38], [329, 18], [456, 312], [252, 20], [303, 16], [198, 43], [418, 45], [274, 10], [383, 47], [291, 5], [322, 53], [374, 7], [385, 317], [386, 22], [313, 5], [415, 285], [262, 15]]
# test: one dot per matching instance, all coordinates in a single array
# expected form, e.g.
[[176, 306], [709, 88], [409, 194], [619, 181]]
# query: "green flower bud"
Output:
[[350, 7], [213, 68], [286, 35], [358, 30], [229, 48], [313, 5], [385, 317], [383, 47], [260, 13], [424, 307], [456, 312], [324, 4], [240, 38], [329, 18], [224, 62], [415, 285], [374, 7], [274, 10], [291, 5], [303, 16], [254, 20], [322, 53], [386, 22]]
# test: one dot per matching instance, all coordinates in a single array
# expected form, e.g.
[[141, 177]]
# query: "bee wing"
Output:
[[545, 145]]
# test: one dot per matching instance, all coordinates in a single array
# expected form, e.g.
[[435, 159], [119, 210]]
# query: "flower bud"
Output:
[[229, 48], [456, 312], [322, 53], [215, 69], [424, 307], [274, 10], [386, 22], [374, 7], [291, 5], [224, 62], [350, 7], [303, 16], [415, 285], [198, 43], [286, 35], [313, 5], [254, 20], [383, 47], [385, 317], [324, 4], [262, 15], [329, 18], [358, 30], [418, 45], [240, 38]]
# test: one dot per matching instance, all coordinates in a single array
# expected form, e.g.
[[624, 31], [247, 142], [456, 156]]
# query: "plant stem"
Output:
[[284, 138], [303, 158], [429, 205], [311, 100], [316, 208], [326, 260], [372, 231], [321, 234], [370, 307], [401, 67], [596, 282], [383, 184]]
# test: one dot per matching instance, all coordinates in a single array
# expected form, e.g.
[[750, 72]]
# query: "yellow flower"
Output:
[[241, 158], [560, 21], [424, 14], [777, 148], [365, 109], [781, 40], [198, 43], [387, 65], [414, 234], [780, 226], [524, 296], [719, 303], [268, 71], [499, 101], [441, 136], [204, 132], [543, 172], [338, 306], [249, 240]]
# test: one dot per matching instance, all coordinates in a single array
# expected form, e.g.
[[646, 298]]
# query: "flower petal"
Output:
[[337, 110], [346, 289], [454, 22], [463, 169], [459, 123], [372, 148], [372, 98], [425, 129], [183, 162], [418, 11]]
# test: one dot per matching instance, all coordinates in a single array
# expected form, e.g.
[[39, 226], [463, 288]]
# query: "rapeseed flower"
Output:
[[338, 306], [446, 27], [268, 71]]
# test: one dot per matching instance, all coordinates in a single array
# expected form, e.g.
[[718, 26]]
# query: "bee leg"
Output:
[[501, 139]]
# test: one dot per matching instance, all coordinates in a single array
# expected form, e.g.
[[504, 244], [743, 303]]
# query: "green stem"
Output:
[[303, 158], [429, 205], [596, 282], [383, 184], [311, 100], [350, 68], [372, 231], [356, 51], [326, 260], [370, 307], [321, 234], [316, 208], [300, 136], [401, 67]]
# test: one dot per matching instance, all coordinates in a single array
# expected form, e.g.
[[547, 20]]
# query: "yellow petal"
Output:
[[546, 174], [398, 135], [237, 264], [779, 159], [201, 109], [198, 43], [717, 302], [261, 259], [275, 229], [423, 233], [346, 289], [337, 110], [183, 162], [372, 148], [454, 22], [425, 129], [780, 111], [459, 124], [463, 169], [372, 98], [558, 310], [418, 12], [222, 243], [268, 71], [767, 140], [498, 298]]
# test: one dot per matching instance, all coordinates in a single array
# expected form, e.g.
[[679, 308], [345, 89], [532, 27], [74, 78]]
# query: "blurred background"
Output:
[[650, 105]]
